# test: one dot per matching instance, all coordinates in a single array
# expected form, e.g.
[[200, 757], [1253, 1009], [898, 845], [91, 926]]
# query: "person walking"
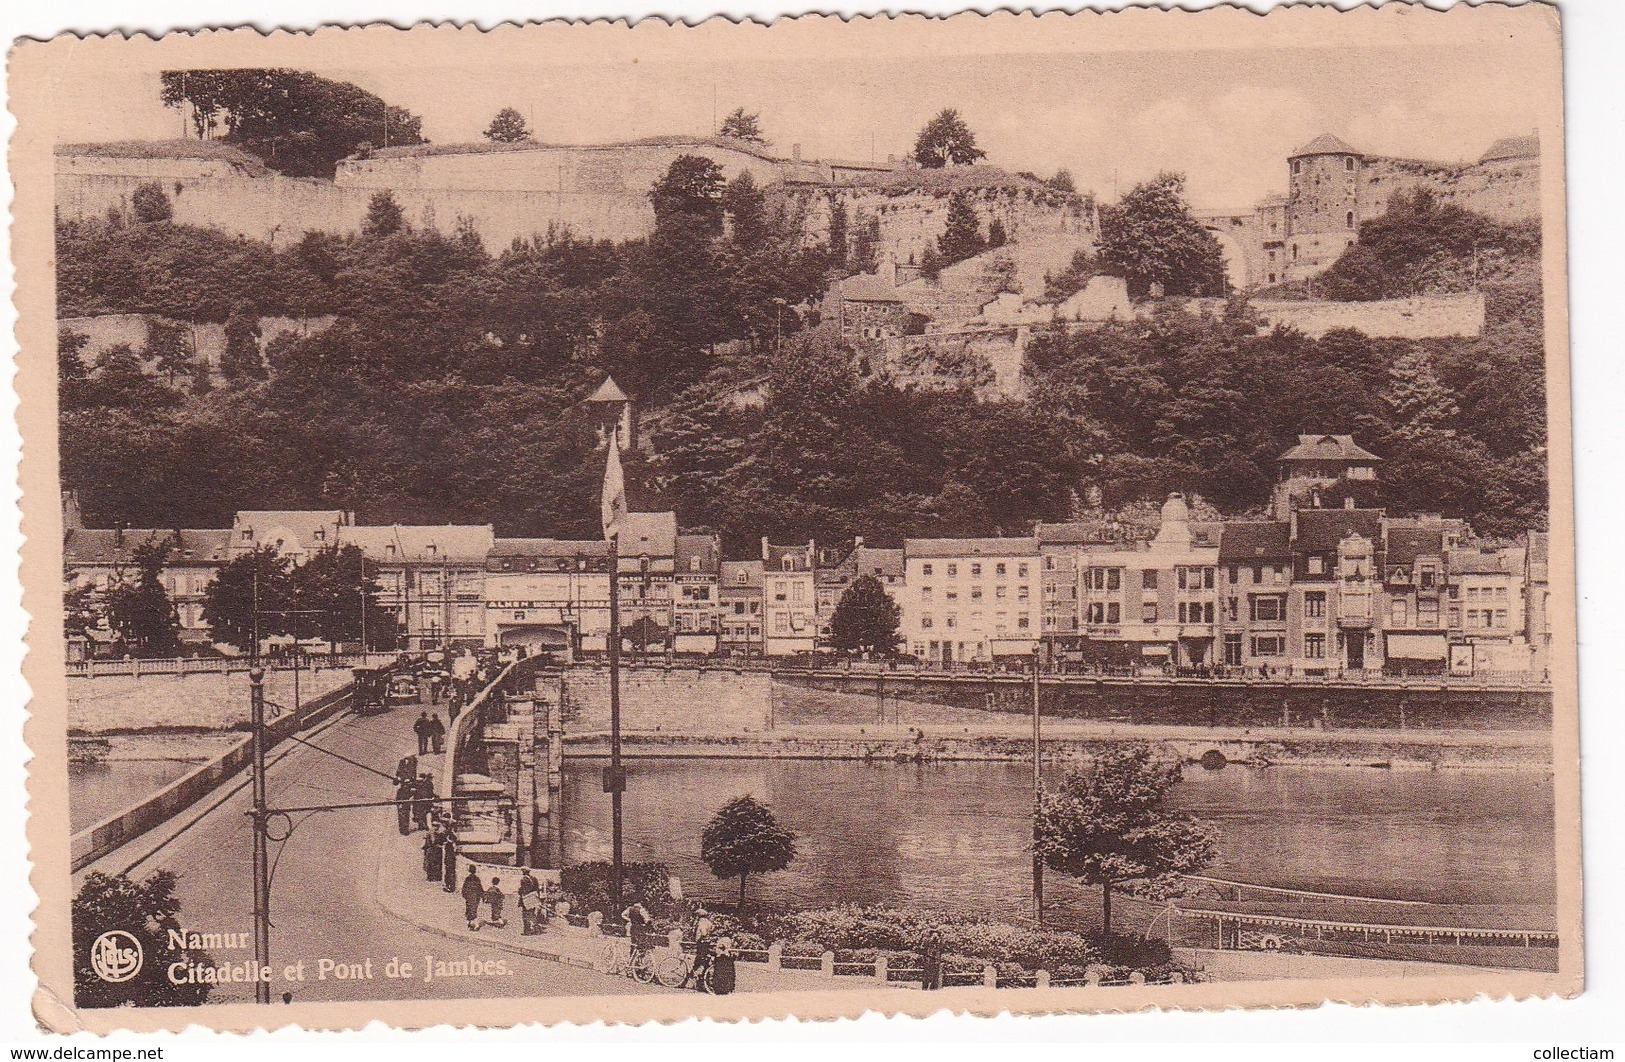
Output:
[[432, 841], [421, 729], [422, 801], [448, 861], [637, 919], [473, 894], [494, 899], [530, 903], [437, 733], [405, 790]]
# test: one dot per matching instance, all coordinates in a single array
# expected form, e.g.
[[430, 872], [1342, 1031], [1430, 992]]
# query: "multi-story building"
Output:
[[789, 599], [547, 594], [1414, 582], [1059, 548], [1152, 602], [1335, 594], [696, 601], [106, 558], [1538, 601], [1486, 609], [740, 592], [1324, 471], [1255, 569], [648, 560], [293, 533], [971, 599], [430, 578]]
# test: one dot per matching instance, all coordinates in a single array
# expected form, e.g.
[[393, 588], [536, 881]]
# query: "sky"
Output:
[[1113, 103]]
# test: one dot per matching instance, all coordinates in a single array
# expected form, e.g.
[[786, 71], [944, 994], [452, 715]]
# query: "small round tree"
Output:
[[1108, 827], [744, 838], [866, 619], [508, 127]]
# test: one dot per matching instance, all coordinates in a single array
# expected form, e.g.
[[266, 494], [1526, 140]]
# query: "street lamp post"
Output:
[[1038, 791], [262, 884], [614, 774]]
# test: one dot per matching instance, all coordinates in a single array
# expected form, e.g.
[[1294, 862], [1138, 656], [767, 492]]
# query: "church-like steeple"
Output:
[[613, 410]]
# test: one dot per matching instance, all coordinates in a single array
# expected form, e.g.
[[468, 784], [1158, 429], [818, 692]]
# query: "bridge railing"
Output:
[[222, 665]]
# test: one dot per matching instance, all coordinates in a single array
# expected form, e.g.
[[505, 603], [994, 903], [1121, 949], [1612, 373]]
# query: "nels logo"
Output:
[[116, 956]]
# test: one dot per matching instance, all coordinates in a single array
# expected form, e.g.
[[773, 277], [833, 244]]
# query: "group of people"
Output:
[[701, 931], [532, 897], [414, 798], [431, 733]]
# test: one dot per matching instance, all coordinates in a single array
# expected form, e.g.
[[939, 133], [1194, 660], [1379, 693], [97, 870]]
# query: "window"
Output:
[[925, 594], [1021, 593], [1023, 623], [952, 620], [1114, 578], [1501, 617], [781, 623], [1427, 613], [1314, 646], [1231, 608], [925, 569], [1258, 573], [1348, 219], [953, 571], [1235, 575], [1001, 591], [1114, 612], [798, 591], [976, 593], [927, 621], [1315, 564], [1348, 164], [1399, 613], [1049, 565], [1266, 608], [1148, 579], [1429, 577], [1097, 612], [1269, 645], [1295, 167], [1232, 650], [998, 569], [975, 571], [1021, 571], [788, 564], [1148, 612], [951, 595]]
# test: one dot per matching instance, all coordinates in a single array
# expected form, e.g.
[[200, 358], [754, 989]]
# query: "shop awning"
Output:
[[1416, 646]]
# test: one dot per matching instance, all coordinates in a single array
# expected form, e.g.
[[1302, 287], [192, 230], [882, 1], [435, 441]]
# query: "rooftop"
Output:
[[1326, 144], [1246, 540], [608, 391], [431, 542], [1526, 146], [1328, 448], [651, 533], [969, 547], [1406, 544], [1320, 530]]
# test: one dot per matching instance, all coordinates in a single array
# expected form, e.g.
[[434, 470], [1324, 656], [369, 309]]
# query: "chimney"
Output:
[[795, 152], [765, 554], [1348, 503], [857, 541], [1292, 530]]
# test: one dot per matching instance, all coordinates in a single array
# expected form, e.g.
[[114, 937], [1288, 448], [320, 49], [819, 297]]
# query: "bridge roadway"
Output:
[[324, 901]]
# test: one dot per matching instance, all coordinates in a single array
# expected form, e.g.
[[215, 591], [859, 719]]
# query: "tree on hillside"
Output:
[[508, 127], [946, 140], [866, 244], [150, 205], [999, 275], [742, 125], [1062, 182], [249, 595], [1418, 401], [744, 838], [1072, 279], [996, 234], [962, 237], [385, 217], [140, 612], [687, 198], [1108, 827], [866, 619], [169, 349], [112, 913], [1150, 237], [71, 374], [299, 123], [241, 358], [746, 208], [839, 232], [122, 382]]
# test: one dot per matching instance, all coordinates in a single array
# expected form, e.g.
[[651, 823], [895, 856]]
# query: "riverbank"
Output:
[[1513, 750]]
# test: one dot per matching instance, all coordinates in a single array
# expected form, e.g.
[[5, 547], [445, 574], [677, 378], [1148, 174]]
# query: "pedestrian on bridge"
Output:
[[432, 842], [421, 729], [494, 899], [405, 790], [448, 861], [473, 894], [422, 801], [530, 903], [437, 733]]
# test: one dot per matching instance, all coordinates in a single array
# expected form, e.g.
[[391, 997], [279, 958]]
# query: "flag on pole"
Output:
[[614, 499]]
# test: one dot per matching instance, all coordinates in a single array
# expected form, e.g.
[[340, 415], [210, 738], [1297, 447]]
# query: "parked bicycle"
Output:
[[625, 961]]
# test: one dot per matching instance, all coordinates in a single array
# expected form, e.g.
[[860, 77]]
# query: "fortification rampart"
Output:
[[1422, 317], [207, 339]]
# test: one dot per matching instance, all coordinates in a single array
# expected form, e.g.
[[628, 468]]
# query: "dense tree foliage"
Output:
[[139, 610], [299, 123], [262, 593], [946, 141], [866, 618], [744, 838], [508, 127], [139, 912], [1150, 237], [743, 125]]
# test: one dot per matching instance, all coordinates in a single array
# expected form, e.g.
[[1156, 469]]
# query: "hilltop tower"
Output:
[[1324, 471], [1323, 203], [612, 409]]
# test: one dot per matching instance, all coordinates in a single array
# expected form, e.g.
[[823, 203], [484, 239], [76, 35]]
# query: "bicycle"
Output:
[[626, 961], [674, 969]]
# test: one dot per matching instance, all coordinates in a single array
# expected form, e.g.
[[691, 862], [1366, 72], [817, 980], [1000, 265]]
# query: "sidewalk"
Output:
[[404, 893]]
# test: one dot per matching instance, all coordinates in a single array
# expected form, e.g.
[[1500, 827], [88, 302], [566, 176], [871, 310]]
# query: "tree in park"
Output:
[[150, 205], [140, 612], [301, 124], [646, 633], [1150, 237], [687, 199], [249, 595], [744, 838], [962, 236], [114, 920], [866, 619], [1108, 827], [743, 125], [946, 140], [508, 127]]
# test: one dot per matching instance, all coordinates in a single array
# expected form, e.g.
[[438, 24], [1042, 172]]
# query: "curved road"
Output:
[[324, 890]]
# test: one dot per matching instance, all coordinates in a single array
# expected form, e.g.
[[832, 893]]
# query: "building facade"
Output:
[[740, 594], [971, 600], [789, 599]]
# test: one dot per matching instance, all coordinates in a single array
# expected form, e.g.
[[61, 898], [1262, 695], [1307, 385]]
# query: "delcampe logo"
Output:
[[116, 956]]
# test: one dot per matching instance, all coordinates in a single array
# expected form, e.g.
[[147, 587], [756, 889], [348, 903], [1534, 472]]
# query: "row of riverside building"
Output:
[[1329, 584]]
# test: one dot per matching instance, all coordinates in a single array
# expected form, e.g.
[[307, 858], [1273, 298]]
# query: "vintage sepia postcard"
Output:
[[590, 521]]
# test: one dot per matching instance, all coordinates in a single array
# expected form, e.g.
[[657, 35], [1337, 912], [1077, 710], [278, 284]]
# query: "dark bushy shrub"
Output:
[[587, 887]]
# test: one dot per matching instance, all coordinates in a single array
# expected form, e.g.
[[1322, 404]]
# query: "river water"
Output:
[[954, 835]]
